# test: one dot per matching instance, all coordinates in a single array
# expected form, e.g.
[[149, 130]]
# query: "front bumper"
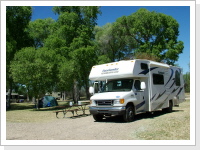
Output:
[[107, 110]]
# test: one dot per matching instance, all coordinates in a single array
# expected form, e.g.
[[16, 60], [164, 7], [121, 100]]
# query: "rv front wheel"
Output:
[[129, 114], [98, 117]]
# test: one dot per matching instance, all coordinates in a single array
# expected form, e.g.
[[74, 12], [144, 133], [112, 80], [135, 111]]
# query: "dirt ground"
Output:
[[82, 128], [85, 128]]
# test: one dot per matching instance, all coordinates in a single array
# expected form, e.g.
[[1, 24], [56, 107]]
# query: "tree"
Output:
[[73, 40], [17, 19], [156, 34], [36, 69], [142, 34], [40, 29], [103, 38], [113, 42], [187, 81]]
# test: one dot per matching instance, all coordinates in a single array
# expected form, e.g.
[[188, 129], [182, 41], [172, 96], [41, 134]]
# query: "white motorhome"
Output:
[[130, 87]]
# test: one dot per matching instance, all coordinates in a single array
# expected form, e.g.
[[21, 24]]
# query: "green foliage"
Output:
[[102, 59], [155, 33], [35, 68], [112, 42], [187, 82], [105, 42], [17, 19], [73, 40], [62, 50], [143, 55], [142, 32], [40, 29]]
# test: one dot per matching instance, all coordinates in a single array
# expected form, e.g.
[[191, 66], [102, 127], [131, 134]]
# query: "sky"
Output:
[[111, 13]]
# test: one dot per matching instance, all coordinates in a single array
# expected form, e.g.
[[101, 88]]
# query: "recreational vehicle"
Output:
[[130, 87]]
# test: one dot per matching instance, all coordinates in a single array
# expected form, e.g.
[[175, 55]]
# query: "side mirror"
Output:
[[143, 85], [91, 90]]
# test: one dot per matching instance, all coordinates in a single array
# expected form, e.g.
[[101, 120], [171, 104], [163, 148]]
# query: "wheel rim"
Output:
[[130, 114]]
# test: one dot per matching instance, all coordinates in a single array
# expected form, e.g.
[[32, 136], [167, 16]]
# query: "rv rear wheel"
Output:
[[170, 108], [129, 114], [98, 117]]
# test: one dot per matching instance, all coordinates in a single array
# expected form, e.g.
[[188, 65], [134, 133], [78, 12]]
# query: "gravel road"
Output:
[[82, 128]]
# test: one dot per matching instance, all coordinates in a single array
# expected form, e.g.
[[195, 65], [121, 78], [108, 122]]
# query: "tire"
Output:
[[170, 108], [129, 114], [98, 117]]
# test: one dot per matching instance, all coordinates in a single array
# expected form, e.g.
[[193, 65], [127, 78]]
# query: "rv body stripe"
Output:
[[172, 84], [160, 105], [153, 97], [140, 105], [172, 72], [175, 90], [179, 91], [147, 70], [160, 95]]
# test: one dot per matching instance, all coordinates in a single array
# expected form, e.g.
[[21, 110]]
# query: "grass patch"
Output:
[[30, 105], [27, 113], [21, 106], [171, 126]]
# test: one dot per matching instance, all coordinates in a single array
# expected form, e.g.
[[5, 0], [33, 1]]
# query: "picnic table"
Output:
[[81, 107], [71, 108]]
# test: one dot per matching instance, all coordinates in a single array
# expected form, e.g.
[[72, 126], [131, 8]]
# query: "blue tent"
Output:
[[47, 101]]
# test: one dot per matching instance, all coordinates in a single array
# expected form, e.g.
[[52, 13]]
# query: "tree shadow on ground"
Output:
[[20, 106], [32, 107]]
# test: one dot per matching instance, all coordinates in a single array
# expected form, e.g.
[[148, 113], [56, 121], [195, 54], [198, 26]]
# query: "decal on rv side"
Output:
[[175, 90], [172, 83], [108, 71], [179, 91], [161, 104], [172, 72], [153, 97], [147, 70], [160, 95], [140, 105]]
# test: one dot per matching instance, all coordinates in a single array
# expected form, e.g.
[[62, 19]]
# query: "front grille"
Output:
[[104, 102]]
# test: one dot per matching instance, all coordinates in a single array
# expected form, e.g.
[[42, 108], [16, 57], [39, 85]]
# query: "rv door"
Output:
[[139, 88]]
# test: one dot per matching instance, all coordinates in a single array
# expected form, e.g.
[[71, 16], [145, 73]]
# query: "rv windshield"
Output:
[[118, 85]]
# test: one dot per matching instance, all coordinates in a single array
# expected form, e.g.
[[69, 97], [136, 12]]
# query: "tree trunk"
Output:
[[63, 95], [76, 95], [34, 101], [8, 100], [38, 102], [27, 97], [9, 93], [87, 93], [87, 90]]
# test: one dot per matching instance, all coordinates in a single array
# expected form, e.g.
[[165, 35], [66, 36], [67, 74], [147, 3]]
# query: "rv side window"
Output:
[[158, 79], [144, 66], [177, 78], [137, 85]]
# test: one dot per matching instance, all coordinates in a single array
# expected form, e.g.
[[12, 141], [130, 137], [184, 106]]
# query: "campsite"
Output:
[[54, 50], [26, 123]]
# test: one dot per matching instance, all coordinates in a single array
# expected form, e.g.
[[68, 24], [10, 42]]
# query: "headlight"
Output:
[[119, 101]]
